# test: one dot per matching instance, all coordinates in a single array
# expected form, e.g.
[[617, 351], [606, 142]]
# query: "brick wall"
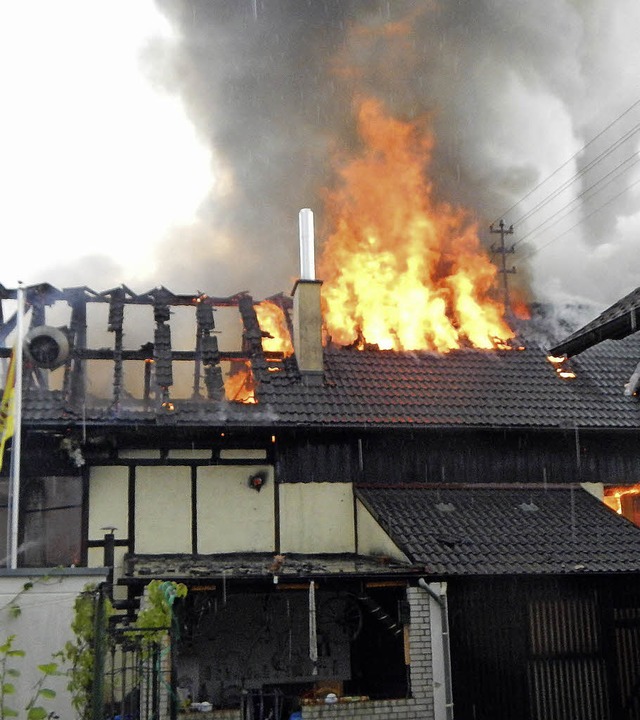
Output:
[[420, 706]]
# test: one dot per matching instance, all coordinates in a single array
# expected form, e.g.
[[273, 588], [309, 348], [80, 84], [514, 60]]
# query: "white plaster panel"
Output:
[[595, 488], [232, 517], [95, 559], [141, 454], [372, 539], [108, 501], [316, 518], [163, 509], [243, 454], [190, 454]]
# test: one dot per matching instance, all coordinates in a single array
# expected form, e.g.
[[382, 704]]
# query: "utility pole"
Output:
[[502, 250]]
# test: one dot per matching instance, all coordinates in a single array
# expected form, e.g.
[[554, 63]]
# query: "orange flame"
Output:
[[613, 496], [561, 367], [402, 270], [272, 320], [240, 385]]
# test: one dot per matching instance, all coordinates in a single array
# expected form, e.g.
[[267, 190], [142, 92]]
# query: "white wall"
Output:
[[372, 539], [42, 628], [163, 510], [232, 517], [316, 518], [108, 501]]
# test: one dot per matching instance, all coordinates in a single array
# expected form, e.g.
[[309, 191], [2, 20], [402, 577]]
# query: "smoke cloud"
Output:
[[513, 90]]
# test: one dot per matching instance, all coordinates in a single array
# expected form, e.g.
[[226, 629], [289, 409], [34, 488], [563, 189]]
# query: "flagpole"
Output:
[[16, 442]]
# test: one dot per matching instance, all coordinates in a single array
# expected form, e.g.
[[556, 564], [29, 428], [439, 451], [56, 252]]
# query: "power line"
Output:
[[583, 171], [573, 157], [593, 212], [635, 157]]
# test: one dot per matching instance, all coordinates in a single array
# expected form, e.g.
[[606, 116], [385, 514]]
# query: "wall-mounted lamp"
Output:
[[257, 481]]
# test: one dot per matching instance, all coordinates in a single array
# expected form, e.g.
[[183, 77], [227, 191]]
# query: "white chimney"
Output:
[[307, 249]]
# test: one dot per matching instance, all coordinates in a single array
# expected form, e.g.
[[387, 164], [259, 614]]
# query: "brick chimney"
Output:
[[307, 313]]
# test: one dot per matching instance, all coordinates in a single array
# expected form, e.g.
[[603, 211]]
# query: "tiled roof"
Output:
[[489, 531], [503, 388], [617, 321], [463, 388]]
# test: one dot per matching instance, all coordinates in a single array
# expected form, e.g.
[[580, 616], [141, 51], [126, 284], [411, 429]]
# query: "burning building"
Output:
[[382, 496], [402, 530]]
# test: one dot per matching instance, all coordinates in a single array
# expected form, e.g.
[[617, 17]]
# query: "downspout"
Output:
[[441, 599]]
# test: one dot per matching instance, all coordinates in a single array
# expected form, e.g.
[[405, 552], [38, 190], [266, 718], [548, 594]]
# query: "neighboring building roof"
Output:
[[495, 531], [616, 322]]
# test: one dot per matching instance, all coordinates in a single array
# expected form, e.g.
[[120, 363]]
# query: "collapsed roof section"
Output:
[[181, 372], [53, 313]]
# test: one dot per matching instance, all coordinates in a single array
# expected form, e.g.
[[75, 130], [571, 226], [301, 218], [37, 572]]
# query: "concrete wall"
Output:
[[42, 628]]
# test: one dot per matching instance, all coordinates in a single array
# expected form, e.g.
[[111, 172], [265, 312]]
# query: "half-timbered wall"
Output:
[[190, 502]]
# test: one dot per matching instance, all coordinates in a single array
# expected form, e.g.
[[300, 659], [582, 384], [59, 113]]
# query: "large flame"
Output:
[[400, 269], [240, 385], [273, 323]]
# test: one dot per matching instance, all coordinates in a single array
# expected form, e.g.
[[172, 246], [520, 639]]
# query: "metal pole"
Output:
[[99, 639], [14, 484]]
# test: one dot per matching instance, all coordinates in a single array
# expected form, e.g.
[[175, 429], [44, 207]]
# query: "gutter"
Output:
[[441, 599]]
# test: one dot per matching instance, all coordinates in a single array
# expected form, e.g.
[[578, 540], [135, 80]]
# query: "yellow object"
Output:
[[6, 407]]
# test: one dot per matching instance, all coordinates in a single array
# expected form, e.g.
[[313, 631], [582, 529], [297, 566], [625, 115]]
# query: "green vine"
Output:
[[13, 607], [9, 653], [80, 653]]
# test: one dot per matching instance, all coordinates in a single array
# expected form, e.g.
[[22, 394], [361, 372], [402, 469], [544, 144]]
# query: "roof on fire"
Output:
[[372, 388], [463, 388], [505, 531], [470, 388]]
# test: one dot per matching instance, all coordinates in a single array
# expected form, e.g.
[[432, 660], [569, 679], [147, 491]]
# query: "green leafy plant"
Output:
[[34, 710], [156, 614], [7, 653], [80, 653]]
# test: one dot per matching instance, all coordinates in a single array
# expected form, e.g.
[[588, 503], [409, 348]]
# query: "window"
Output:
[[625, 500], [51, 533]]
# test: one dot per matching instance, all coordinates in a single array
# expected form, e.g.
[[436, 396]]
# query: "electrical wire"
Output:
[[578, 175], [635, 157], [593, 212], [573, 157]]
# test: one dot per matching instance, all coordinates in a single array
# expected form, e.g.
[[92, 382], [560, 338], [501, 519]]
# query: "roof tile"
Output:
[[505, 531]]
